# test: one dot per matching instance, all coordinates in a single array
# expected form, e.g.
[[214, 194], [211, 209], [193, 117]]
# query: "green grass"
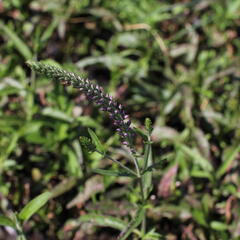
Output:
[[176, 62]]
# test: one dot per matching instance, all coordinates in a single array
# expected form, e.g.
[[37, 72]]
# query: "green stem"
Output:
[[143, 227], [20, 233], [120, 164], [140, 180], [144, 179], [139, 177], [21, 237]]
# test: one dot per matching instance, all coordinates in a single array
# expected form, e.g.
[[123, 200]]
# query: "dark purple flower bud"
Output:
[[95, 97], [118, 122], [99, 102]]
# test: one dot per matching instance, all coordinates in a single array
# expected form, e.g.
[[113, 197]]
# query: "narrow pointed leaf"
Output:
[[57, 114], [64, 186], [96, 141], [228, 157], [5, 221], [104, 221], [34, 205], [132, 225], [141, 133], [18, 43], [197, 157], [219, 226]]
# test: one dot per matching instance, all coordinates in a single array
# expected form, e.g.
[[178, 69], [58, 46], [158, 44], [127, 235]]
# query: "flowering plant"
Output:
[[143, 163]]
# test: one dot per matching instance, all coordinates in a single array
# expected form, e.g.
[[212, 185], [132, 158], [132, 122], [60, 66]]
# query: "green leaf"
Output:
[[141, 133], [113, 173], [228, 157], [197, 157], [148, 162], [152, 235], [18, 43], [5, 221], [72, 164], [199, 217], [218, 226], [50, 29], [96, 141], [57, 114], [132, 225], [104, 221], [87, 144], [201, 174], [64, 186], [34, 205]]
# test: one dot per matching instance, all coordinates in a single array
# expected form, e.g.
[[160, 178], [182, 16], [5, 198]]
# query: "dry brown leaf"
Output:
[[164, 187]]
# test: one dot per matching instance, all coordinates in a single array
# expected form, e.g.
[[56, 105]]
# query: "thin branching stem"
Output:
[[119, 163]]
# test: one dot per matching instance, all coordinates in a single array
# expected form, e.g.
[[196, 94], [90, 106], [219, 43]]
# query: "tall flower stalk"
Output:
[[120, 119], [94, 93]]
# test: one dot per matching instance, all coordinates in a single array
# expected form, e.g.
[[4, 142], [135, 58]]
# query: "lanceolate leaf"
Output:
[[197, 157], [34, 205], [219, 226], [96, 141], [18, 43], [5, 221], [141, 133], [63, 186], [57, 114], [105, 221], [228, 157], [132, 225]]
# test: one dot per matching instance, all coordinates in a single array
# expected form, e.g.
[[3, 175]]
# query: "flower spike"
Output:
[[94, 94]]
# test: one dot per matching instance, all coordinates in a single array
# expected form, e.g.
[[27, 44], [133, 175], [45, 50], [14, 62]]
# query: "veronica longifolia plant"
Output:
[[120, 119]]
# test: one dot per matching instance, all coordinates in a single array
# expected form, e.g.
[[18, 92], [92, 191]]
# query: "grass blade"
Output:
[[228, 157], [132, 225], [34, 205], [197, 157], [57, 114], [104, 221], [18, 43]]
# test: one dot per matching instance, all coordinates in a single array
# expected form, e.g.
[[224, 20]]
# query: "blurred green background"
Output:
[[176, 62]]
